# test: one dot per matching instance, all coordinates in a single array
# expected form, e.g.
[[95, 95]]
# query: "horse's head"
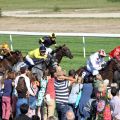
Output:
[[62, 51], [18, 56], [66, 51], [114, 65]]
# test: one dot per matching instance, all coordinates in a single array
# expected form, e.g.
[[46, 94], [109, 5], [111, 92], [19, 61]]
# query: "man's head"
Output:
[[24, 108], [70, 115], [102, 53], [23, 67], [42, 50]]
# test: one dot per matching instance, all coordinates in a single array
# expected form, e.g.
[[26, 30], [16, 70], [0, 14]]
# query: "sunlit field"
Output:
[[27, 43], [58, 4]]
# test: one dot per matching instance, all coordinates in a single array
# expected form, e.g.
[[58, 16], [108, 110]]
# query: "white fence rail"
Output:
[[83, 35]]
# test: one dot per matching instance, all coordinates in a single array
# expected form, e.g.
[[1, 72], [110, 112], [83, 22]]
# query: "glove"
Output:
[[1, 57]]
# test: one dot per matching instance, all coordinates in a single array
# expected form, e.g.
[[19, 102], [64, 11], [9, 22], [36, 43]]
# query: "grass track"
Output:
[[27, 43], [61, 4]]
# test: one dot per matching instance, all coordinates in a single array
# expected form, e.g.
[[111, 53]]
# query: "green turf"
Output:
[[58, 4], [27, 43]]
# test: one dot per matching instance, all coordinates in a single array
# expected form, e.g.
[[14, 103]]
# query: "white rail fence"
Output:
[[83, 35]]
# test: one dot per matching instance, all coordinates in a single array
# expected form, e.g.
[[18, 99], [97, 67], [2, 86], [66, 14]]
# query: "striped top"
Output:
[[61, 91]]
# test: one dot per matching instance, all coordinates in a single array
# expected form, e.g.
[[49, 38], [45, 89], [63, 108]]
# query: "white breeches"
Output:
[[48, 50], [29, 60]]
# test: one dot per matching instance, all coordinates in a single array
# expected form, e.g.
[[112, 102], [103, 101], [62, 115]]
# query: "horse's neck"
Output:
[[5, 65], [59, 55]]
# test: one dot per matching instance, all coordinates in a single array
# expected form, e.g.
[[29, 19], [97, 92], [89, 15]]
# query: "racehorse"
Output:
[[60, 52], [107, 72], [10, 60], [39, 68]]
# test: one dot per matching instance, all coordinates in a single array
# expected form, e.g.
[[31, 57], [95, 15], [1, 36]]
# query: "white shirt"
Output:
[[27, 81], [94, 62]]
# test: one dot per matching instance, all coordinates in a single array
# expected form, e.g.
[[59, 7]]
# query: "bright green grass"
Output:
[[61, 4], [27, 43]]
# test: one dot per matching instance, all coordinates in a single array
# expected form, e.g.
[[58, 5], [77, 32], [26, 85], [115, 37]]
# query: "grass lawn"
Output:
[[27, 43], [57, 5]]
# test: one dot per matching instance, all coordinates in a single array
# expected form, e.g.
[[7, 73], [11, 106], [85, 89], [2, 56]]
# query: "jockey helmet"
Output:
[[5, 46], [102, 53], [53, 35], [42, 48]]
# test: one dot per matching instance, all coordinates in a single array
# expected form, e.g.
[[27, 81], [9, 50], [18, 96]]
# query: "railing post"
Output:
[[11, 46], [84, 47]]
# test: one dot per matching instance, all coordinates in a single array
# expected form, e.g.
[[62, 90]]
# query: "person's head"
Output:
[[102, 53], [72, 73], [114, 91], [42, 50], [24, 108], [23, 68], [53, 36], [70, 115], [5, 47], [35, 117], [10, 75]]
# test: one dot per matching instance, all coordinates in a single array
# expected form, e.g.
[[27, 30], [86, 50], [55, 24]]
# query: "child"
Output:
[[33, 99]]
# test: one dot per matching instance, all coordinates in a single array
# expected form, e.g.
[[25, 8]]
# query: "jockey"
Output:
[[95, 62], [39, 53], [115, 53], [47, 41], [4, 50]]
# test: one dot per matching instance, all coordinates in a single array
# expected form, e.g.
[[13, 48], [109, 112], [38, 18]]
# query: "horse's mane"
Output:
[[57, 48]]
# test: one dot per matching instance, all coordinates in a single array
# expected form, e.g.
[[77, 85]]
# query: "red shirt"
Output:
[[50, 88], [115, 53]]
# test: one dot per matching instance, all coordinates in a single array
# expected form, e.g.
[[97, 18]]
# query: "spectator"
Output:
[[6, 98], [115, 104], [62, 84], [50, 96], [23, 109], [41, 93], [33, 99], [22, 94], [70, 115]]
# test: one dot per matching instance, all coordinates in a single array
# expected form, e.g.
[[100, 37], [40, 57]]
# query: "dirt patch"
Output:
[[60, 25]]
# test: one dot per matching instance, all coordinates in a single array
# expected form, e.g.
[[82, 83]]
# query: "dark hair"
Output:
[[72, 72], [114, 91], [21, 85], [24, 108], [10, 75], [35, 117]]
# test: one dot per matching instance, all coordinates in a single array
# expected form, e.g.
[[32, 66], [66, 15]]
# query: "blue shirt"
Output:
[[7, 88]]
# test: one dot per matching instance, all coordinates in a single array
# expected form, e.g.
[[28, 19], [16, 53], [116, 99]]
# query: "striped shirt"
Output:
[[61, 91]]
